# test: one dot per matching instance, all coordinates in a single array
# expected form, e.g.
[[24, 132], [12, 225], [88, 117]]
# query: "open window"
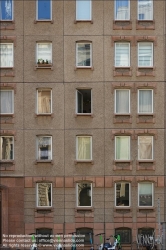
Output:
[[83, 101], [122, 194], [84, 194], [6, 148], [44, 194], [44, 148]]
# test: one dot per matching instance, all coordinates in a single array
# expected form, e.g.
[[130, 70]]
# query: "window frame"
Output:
[[10, 136], [152, 194], [116, 9], [138, 104], [152, 55], [37, 205], [90, 43], [8, 20], [5, 90], [115, 106], [138, 12], [12, 55], [78, 19], [152, 148], [37, 57], [128, 145], [37, 12], [115, 61], [77, 205], [123, 206], [85, 160], [37, 145], [37, 110], [78, 91]]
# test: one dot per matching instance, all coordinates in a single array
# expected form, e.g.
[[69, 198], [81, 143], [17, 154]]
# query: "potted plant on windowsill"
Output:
[[43, 63]]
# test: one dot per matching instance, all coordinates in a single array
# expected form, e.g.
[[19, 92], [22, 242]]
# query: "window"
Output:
[[83, 10], [83, 101], [122, 54], [122, 194], [7, 102], [44, 10], [122, 10], [122, 101], [6, 10], [44, 148], [145, 194], [145, 54], [86, 235], [125, 235], [44, 194], [122, 147], [84, 148], [145, 9], [84, 194], [6, 148], [145, 101], [145, 147], [84, 55], [44, 53], [6, 55], [146, 231], [44, 104]]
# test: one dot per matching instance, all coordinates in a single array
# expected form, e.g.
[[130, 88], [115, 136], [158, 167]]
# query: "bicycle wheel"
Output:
[[134, 246]]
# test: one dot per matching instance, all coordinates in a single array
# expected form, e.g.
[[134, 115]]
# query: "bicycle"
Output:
[[117, 242]]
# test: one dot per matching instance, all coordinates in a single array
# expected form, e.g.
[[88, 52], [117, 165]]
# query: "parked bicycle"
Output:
[[114, 244]]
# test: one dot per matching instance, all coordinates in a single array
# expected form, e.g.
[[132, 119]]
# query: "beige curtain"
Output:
[[145, 147], [44, 102]]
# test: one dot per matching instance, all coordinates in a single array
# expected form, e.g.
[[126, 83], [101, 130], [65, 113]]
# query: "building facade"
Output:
[[82, 118]]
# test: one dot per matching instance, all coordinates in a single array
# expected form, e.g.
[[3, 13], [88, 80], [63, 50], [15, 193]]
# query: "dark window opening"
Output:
[[125, 235], [84, 101], [43, 236]]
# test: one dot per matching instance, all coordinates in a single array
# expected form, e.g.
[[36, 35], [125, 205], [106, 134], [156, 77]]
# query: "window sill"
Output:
[[78, 209], [146, 118], [7, 25], [145, 71], [44, 21], [48, 115], [122, 208], [147, 165], [122, 118], [145, 25], [84, 67], [122, 71], [83, 161], [43, 209], [7, 165], [83, 21], [125, 165], [84, 114], [44, 66], [44, 161], [148, 209], [122, 25]]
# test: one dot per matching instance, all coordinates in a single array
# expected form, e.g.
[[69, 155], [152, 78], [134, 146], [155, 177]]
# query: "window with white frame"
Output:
[[84, 194], [122, 147], [44, 103], [44, 53], [7, 102], [122, 9], [122, 194], [83, 101], [84, 148], [83, 10], [44, 194], [145, 10], [145, 101], [6, 55], [44, 148], [6, 10], [84, 54], [6, 148], [44, 9], [145, 54], [122, 54], [145, 147], [122, 101], [145, 194]]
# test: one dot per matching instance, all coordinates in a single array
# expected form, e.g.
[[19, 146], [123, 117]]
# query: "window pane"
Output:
[[6, 101], [44, 52], [84, 148], [145, 10], [122, 101], [6, 55], [122, 148], [83, 54], [44, 194], [84, 194], [83, 9], [6, 148], [145, 194], [145, 147], [145, 54], [6, 10], [122, 10], [145, 101], [122, 55], [122, 194], [44, 9], [44, 101], [44, 148]]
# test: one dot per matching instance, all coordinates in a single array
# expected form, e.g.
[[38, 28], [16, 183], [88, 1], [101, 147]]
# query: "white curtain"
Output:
[[145, 54], [145, 147], [122, 11], [122, 147], [84, 148], [122, 101], [44, 51], [6, 101], [145, 9], [6, 55], [44, 101], [83, 9], [122, 54], [145, 101]]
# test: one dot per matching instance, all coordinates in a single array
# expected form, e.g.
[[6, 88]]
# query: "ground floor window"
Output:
[[43, 235], [125, 234]]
